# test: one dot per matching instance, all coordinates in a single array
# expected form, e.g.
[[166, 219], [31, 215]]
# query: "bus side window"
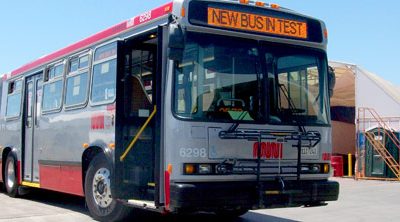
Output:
[[14, 99], [53, 88], [104, 75], [77, 81]]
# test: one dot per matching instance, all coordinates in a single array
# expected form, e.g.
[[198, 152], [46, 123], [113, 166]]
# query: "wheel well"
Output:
[[87, 157], [4, 155]]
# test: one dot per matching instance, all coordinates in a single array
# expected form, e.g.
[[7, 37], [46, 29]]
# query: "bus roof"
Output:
[[112, 32], [103, 35]]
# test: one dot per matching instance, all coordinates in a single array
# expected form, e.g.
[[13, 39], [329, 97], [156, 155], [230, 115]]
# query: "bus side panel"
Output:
[[62, 178], [11, 137], [60, 137], [71, 180], [50, 177], [10, 130]]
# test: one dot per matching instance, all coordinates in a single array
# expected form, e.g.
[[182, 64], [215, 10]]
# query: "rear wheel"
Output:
[[10, 176], [99, 199]]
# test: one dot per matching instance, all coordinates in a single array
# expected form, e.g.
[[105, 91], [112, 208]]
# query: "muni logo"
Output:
[[269, 150]]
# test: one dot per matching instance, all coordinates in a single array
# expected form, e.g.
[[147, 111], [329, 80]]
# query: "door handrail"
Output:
[[135, 139]]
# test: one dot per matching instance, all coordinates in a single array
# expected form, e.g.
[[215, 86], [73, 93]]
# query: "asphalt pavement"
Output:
[[359, 201]]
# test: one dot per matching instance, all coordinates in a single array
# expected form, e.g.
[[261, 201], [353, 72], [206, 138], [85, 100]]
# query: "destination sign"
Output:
[[257, 23]]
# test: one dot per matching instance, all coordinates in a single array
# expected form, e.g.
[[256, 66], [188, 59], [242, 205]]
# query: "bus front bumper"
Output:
[[192, 197]]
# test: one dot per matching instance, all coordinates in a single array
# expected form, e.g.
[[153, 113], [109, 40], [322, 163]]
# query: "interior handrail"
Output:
[[135, 139]]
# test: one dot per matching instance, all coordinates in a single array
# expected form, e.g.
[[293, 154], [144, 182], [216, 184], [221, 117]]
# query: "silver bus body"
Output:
[[193, 165]]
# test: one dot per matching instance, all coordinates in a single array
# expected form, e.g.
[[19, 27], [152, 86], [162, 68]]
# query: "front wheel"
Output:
[[10, 176], [99, 199]]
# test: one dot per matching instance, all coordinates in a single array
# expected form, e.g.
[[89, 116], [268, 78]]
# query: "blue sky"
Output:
[[360, 32]]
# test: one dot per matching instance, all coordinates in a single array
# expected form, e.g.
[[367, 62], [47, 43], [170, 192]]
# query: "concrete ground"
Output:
[[359, 201]]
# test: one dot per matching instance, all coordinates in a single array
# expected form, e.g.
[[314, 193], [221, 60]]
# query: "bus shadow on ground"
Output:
[[77, 204], [55, 199], [249, 217]]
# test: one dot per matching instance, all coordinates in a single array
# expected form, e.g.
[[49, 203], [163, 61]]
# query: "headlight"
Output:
[[204, 169], [199, 169], [314, 168], [305, 169], [224, 169]]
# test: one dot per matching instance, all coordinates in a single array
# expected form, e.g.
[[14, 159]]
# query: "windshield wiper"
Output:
[[235, 125], [293, 110]]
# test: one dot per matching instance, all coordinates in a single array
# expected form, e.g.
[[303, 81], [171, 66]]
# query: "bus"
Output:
[[194, 106]]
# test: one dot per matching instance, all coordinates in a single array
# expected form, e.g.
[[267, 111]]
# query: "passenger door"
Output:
[[33, 93]]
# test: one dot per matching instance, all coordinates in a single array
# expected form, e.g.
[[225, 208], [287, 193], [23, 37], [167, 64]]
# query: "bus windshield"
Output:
[[246, 81]]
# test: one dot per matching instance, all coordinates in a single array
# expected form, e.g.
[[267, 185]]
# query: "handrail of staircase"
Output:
[[381, 124]]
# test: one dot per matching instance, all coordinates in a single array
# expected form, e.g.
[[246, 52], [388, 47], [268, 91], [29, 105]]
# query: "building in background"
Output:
[[365, 111]]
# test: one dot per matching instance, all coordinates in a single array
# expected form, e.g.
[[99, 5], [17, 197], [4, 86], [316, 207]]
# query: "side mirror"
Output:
[[331, 80], [176, 44]]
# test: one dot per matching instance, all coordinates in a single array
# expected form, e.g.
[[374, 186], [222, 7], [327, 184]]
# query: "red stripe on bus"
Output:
[[150, 15], [326, 156], [66, 179], [1, 170], [119, 28], [167, 188], [19, 172], [111, 107], [97, 122]]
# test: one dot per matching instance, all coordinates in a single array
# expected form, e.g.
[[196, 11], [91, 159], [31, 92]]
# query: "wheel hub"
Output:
[[102, 188], [10, 174]]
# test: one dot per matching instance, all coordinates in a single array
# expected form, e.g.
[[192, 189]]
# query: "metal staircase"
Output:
[[368, 117]]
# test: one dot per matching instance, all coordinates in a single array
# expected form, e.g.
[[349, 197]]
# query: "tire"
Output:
[[230, 214], [102, 206], [10, 176]]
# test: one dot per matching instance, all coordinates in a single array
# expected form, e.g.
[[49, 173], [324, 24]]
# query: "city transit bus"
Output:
[[195, 106]]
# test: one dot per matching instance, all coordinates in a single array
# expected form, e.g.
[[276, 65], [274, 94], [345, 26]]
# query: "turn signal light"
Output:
[[246, 2], [326, 168], [326, 33], [189, 169], [169, 168], [183, 12], [111, 146]]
